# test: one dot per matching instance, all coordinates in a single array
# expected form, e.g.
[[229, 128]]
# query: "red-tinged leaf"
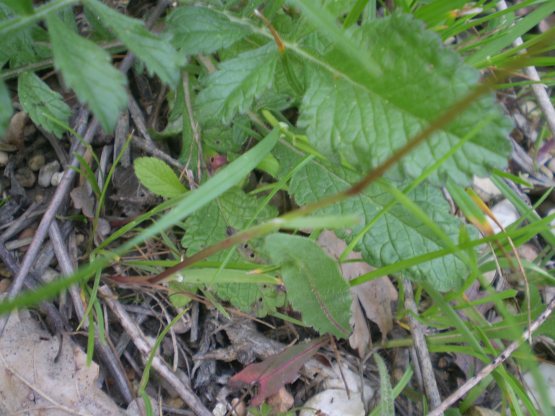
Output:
[[272, 373]]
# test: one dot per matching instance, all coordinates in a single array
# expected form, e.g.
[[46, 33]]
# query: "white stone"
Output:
[[547, 372], [46, 172], [56, 178], [4, 158], [334, 402], [485, 188], [505, 213]]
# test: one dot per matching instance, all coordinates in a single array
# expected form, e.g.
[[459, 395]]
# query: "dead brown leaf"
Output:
[[372, 298], [38, 378]]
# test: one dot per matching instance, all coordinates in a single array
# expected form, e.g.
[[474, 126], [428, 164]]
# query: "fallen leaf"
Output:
[[372, 298], [38, 378], [275, 371], [83, 200]]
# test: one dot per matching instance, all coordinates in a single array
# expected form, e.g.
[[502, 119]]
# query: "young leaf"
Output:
[[382, 244], [237, 83], [157, 53], [158, 177], [87, 70], [201, 30], [351, 114], [314, 284], [42, 104], [386, 392], [272, 373], [5, 108]]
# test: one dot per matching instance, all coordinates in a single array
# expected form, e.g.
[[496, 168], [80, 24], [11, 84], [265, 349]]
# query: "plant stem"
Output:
[[20, 22]]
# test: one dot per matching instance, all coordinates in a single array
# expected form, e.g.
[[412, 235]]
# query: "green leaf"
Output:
[[314, 283], [5, 108], [261, 299], [87, 70], [386, 392], [201, 30], [391, 237], [20, 6], [250, 292], [238, 82], [231, 212], [355, 116], [157, 53], [156, 176], [42, 104], [18, 48]]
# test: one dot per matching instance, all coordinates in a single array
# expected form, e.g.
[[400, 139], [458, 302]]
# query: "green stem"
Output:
[[41, 12]]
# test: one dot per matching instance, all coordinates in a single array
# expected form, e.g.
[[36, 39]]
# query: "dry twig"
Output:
[[500, 359], [428, 378], [145, 347]]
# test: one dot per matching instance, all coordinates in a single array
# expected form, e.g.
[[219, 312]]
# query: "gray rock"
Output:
[[56, 178], [4, 158], [485, 189], [25, 177], [36, 162], [506, 214], [46, 172]]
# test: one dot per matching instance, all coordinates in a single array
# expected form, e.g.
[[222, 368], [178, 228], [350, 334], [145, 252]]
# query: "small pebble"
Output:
[[25, 177], [4, 158], [49, 275], [14, 135], [29, 130], [46, 172], [36, 162], [56, 178], [506, 214], [485, 189]]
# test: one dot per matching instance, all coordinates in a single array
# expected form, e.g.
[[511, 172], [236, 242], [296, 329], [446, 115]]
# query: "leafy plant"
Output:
[[355, 116]]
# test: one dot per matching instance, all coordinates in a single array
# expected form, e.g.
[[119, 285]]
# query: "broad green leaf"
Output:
[[5, 108], [314, 283], [42, 104], [351, 115], [394, 236], [260, 299], [231, 212], [201, 30], [155, 175], [87, 70], [157, 53], [237, 83]]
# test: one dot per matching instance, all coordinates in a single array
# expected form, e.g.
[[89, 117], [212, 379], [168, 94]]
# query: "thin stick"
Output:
[[500, 359], [103, 351], [144, 347], [428, 378], [539, 89]]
